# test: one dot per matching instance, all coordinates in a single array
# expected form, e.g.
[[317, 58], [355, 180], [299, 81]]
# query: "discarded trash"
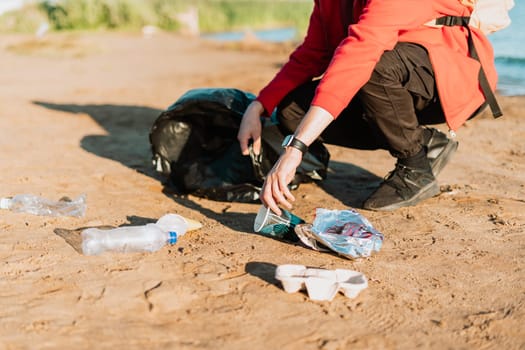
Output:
[[147, 238], [42, 30], [273, 225], [28, 203], [149, 30], [321, 284], [345, 232]]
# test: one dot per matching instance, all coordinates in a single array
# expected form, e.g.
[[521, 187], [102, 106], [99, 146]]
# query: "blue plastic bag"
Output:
[[345, 232]]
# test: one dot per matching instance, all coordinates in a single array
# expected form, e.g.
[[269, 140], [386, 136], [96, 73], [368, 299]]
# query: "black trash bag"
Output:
[[194, 144]]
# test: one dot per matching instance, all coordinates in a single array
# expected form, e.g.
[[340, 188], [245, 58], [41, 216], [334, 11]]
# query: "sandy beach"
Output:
[[75, 113]]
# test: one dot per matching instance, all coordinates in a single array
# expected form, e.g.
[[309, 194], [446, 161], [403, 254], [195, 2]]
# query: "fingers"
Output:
[[268, 200], [275, 192], [243, 142], [278, 196], [250, 129], [257, 145], [244, 136], [282, 194], [288, 194], [275, 189]]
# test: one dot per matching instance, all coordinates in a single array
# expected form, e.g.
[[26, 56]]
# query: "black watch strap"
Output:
[[292, 141]]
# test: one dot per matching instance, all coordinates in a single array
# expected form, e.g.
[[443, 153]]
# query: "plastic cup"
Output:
[[279, 226]]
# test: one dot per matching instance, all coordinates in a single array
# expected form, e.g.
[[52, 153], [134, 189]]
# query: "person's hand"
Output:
[[250, 128], [275, 189]]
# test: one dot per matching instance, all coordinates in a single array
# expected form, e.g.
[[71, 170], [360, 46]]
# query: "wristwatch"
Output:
[[292, 141]]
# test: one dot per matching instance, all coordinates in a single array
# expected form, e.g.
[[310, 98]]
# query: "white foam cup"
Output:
[[351, 282], [322, 273], [321, 289], [291, 277], [321, 284]]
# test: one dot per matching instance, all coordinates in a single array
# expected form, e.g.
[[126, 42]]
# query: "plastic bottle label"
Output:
[[173, 237]]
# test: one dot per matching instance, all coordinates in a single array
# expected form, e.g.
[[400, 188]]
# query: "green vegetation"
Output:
[[214, 15], [231, 15]]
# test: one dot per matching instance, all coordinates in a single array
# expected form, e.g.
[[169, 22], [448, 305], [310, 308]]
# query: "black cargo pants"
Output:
[[388, 111]]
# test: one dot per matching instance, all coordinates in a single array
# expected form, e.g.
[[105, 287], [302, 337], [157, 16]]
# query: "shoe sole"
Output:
[[429, 191], [444, 157]]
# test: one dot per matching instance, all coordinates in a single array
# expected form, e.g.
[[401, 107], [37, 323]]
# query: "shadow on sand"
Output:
[[263, 270], [127, 142], [242, 222], [127, 129], [349, 183]]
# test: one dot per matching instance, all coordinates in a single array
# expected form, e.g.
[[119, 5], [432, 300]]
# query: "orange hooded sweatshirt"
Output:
[[346, 56]]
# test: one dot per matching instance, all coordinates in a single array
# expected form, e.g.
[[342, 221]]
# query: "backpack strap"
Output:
[[483, 81]]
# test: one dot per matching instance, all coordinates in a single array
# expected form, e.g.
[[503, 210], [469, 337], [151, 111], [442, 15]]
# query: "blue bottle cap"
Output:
[[173, 237]]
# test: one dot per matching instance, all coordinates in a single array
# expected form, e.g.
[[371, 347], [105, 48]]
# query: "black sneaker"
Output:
[[439, 150], [403, 187]]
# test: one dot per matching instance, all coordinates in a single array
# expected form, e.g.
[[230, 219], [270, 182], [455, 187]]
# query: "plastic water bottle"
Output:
[[147, 238], [29, 203]]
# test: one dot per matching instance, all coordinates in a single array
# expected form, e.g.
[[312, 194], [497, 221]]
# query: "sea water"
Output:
[[509, 54], [275, 35]]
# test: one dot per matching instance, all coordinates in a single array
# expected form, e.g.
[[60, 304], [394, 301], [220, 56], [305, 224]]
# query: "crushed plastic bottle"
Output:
[[32, 204], [146, 238]]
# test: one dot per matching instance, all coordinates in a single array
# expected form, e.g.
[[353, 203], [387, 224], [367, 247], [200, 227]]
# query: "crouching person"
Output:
[[371, 75]]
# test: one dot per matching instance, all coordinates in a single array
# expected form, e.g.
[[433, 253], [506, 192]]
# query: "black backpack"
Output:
[[194, 145]]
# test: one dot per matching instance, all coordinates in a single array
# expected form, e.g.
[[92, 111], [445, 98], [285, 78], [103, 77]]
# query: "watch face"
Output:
[[287, 140], [291, 141]]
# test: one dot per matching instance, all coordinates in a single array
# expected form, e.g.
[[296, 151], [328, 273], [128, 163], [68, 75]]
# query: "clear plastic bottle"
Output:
[[127, 239], [32, 204]]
